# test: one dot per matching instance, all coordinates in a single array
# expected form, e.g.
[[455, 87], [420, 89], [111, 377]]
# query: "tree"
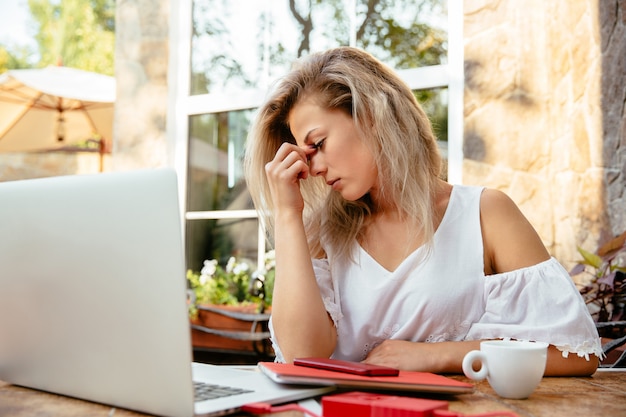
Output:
[[73, 33], [76, 33], [396, 31], [14, 58]]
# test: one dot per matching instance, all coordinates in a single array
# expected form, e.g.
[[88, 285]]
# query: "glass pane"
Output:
[[220, 239], [435, 103], [215, 172], [219, 45], [403, 33], [243, 44]]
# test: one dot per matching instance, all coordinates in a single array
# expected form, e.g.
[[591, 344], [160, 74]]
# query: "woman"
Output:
[[377, 258]]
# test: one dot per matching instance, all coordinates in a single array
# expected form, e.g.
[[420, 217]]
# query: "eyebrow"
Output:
[[306, 137]]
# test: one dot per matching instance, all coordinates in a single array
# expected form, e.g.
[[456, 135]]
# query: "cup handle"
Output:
[[468, 361]]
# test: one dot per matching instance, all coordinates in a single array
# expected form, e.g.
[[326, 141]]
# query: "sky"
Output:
[[16, 24]]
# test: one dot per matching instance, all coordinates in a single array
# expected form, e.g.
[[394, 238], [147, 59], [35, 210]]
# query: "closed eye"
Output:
[[317, 145]]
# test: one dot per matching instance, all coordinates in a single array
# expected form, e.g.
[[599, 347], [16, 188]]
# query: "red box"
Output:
[[363, 404]]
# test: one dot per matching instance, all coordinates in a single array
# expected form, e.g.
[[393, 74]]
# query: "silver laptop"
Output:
[[93, 297]]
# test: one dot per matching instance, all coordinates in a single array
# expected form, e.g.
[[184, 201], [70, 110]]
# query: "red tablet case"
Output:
[[365, 404], [406, 381]]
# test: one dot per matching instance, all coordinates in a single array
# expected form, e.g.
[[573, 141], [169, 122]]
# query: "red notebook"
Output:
[[284, 373]]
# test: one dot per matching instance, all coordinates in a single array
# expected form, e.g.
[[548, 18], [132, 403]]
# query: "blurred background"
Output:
[[526, 97]]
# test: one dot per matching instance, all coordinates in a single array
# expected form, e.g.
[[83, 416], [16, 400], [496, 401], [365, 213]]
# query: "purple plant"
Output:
[[606, 291]]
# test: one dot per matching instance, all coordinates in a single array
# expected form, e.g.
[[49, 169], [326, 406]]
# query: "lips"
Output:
[[333, 183]]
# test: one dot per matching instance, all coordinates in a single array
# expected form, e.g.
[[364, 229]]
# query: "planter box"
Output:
[[232, 329]]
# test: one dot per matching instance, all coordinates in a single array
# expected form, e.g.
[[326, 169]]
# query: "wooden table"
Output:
[[603, 394]]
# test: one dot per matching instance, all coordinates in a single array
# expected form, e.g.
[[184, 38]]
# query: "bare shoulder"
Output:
[[498, 206], [491, 198], [509, 240]]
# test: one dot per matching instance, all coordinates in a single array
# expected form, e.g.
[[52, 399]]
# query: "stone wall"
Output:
[[27, 165], [141, 63], [612, 15], [545, 87]]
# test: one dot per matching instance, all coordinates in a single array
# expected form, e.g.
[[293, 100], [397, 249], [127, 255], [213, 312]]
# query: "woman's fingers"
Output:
[[284, 172], [290, 163]]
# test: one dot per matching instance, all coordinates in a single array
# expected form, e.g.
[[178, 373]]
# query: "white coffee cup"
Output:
[[513, 368]]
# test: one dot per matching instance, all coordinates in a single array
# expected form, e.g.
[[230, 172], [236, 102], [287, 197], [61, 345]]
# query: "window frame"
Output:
[[182, 105]]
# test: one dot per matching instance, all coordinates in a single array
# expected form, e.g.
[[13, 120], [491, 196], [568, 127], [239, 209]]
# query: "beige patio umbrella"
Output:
[[56, 108]]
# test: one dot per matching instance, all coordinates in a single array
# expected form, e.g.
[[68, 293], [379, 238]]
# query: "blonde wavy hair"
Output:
[[389, 121]]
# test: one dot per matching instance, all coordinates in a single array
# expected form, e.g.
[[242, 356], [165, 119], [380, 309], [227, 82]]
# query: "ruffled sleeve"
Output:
[[330, 298], [538, 303]]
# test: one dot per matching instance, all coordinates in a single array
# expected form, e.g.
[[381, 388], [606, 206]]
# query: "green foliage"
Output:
[[234, 284], [390, 35], [591, 259], [76, 33], [14, 58], [73, 33], [434, 103]]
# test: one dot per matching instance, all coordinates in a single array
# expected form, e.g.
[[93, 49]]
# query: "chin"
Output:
[[351, 196]]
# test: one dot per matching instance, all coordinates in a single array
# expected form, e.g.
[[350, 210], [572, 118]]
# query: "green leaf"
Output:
[[618, 268], [590, 258]]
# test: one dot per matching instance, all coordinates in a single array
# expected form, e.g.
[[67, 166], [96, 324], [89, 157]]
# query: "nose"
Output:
[[317, 165]]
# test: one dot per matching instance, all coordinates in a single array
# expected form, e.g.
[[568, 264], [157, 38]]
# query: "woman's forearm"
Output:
[[447, 357], [573, 365], [556, 364], [301, 324]]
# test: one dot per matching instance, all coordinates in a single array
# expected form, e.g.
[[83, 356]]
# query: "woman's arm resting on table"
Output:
[[447, 357], [573, 365], [440, 357]]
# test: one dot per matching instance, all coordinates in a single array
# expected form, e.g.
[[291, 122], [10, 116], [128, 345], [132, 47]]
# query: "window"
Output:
[[220, 71]]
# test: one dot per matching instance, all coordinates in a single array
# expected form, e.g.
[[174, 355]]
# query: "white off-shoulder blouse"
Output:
[[444, 295]]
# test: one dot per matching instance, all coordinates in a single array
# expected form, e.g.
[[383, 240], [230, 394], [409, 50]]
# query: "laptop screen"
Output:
[[92, 289]]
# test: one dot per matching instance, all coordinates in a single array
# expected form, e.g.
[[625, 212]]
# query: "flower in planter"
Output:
[[234, 284]]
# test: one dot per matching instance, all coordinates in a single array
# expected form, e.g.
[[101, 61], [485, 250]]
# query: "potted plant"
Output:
[[229, 305], [605, 288], [605, 293]]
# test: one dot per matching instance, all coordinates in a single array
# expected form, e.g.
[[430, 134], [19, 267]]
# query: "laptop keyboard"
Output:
[[204, 391]]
